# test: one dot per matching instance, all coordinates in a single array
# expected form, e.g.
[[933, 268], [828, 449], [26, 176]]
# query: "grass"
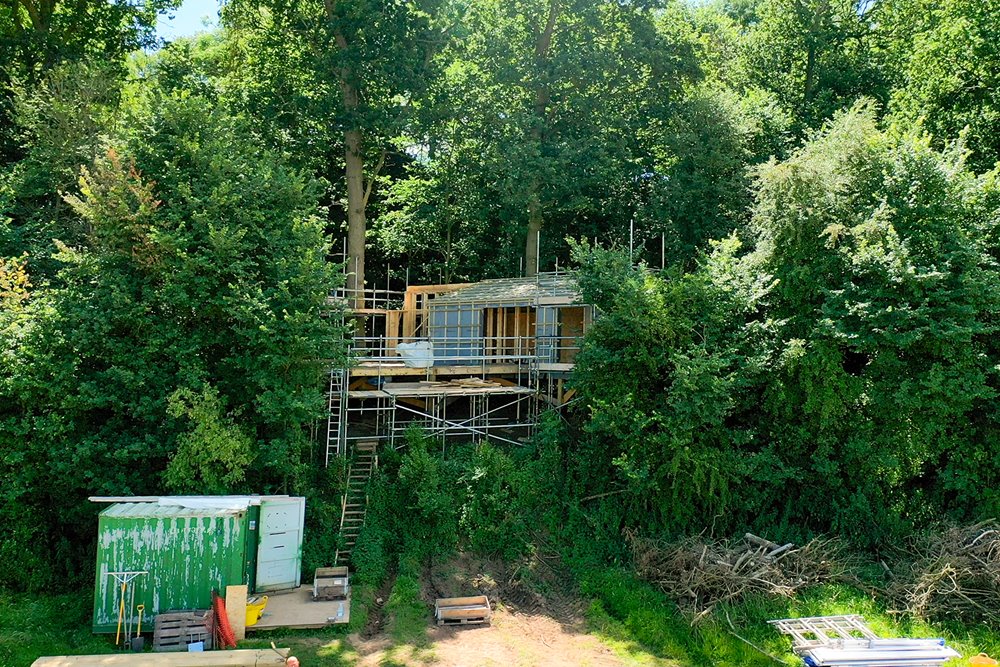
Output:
[[32, 626], [317, 648], [637, 622], [407, 618], [37, 625], [633, 617]]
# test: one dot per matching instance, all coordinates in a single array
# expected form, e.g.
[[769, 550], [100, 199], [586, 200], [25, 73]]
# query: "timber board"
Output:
[[376, 369]]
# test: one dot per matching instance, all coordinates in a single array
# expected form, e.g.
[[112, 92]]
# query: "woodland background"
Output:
[[810, 347]]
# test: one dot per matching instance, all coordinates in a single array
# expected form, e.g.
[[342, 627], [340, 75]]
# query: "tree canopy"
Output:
[[787, 213]]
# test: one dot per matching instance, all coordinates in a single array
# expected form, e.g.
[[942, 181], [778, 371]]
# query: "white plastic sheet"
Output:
[[417, 355]]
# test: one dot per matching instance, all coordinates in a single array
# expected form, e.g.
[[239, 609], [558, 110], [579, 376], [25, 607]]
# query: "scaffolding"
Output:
[[501, 351]]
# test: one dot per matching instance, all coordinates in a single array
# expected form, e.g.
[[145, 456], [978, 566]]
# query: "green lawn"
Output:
[[631, 617], [37, 625], [632, 613]]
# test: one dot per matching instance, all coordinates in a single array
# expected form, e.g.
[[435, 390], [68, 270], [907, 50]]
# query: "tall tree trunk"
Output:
[[354, 166], [356, 221], [534, 236], [535, 217]]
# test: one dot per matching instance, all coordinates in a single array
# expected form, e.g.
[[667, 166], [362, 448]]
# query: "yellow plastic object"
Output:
[[982, 659], [255, 609]]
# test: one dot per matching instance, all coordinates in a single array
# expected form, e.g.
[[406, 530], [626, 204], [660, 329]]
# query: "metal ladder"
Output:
[[335, 425], [354, 504]]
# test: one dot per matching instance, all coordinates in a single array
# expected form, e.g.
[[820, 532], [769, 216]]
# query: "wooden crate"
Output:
[[174, 630], [331, 583], [462, 611]]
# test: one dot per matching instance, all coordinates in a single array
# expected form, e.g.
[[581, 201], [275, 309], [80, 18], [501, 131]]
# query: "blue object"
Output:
[[196, 647]]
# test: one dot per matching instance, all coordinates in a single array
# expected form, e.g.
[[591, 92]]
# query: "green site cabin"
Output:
[[187, 548]]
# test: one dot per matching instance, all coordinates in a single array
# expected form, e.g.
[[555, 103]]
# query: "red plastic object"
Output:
[[225, 631]]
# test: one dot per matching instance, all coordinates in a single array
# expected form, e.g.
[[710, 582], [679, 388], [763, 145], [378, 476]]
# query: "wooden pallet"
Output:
[[174, 630], [463, 621], [463, 611], [331, 583]]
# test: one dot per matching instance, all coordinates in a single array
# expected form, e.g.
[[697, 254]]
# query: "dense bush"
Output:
[[201, 276], [835, 372]]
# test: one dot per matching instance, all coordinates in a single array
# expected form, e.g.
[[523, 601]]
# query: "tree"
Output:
[[946, 60], [847, 355], [62, 119], [547, 115], [814, 56], [355, 66], [203, 265], [213, 456], [887, 312], [38, 35]]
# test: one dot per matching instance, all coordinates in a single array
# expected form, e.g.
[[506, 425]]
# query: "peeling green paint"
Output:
[[187, 552]]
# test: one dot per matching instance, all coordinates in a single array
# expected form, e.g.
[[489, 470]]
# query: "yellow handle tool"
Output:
[[121, 616], [140, 608]]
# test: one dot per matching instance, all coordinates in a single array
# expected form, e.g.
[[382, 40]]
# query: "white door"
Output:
[[279, 553]]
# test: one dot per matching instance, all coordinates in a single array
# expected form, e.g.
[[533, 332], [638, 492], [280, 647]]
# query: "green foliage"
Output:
[[583, 111], [201, 265], [426, 492], [847, 356], [63, 120], [824, 326], [659, 369], [946, 58], [213, 456], [37, 36], [493, 518], [626, 610]]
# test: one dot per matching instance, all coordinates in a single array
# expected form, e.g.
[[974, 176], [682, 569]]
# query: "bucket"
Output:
[[255, 609]]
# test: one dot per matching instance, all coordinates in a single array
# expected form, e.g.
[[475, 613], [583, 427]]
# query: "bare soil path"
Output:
[[513, 639], [527, 628]]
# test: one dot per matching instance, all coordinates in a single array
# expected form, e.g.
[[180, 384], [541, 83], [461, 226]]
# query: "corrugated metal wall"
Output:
[[186, 555]]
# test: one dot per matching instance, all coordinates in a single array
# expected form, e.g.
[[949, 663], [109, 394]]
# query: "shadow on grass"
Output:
[[32, 626], [639, 618], [325, 647]]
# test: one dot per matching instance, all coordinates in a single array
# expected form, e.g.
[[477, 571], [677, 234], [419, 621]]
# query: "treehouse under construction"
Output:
[[465, 362]]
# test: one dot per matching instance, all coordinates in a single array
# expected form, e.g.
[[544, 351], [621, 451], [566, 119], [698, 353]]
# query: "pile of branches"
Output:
[[951, 573], [699, 574]]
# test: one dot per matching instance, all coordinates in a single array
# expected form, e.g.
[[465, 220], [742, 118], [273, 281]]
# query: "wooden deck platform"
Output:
[[296, 609], [376, 369], [420, 390]]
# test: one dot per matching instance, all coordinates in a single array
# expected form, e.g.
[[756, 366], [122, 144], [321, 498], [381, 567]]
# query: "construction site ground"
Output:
[[537, 620]]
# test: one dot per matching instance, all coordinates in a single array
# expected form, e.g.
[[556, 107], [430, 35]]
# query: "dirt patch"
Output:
[[376, 613], [536, 584], [537, 620], [513, 639]]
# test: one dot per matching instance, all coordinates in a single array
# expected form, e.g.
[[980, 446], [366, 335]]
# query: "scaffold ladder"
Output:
[[335, 425]]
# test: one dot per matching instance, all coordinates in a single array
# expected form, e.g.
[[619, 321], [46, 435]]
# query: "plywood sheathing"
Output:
[[547, 290], [236, 610]]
